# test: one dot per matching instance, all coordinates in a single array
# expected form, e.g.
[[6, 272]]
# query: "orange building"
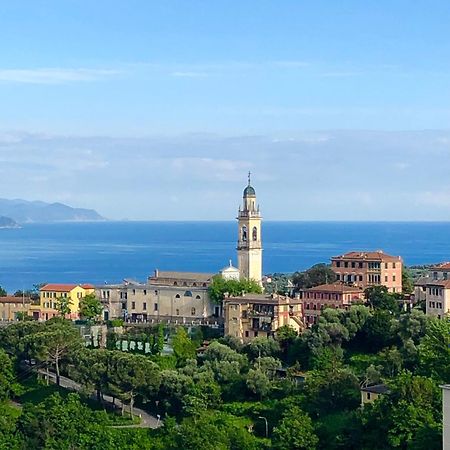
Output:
[[336, 295], [364, 269]]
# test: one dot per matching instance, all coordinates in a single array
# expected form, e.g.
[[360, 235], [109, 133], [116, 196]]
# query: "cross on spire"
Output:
[[249, 174]]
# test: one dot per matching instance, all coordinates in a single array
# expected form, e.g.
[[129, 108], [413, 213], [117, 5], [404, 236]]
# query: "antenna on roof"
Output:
[[249, 175]]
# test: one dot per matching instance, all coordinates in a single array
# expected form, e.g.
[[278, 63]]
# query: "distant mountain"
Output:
[[6, 222], [23, 211]]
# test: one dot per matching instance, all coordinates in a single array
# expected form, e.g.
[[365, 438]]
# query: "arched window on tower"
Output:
[[244, 233], [255, 234]]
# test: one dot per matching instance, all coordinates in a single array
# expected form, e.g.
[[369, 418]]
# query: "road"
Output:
[[147, 420]]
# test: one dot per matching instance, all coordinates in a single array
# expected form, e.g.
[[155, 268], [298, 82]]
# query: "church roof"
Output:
[[249, 191], [229, 268]]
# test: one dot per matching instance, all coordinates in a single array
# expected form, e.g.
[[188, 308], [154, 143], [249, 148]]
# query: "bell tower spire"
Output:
[[249, 245]]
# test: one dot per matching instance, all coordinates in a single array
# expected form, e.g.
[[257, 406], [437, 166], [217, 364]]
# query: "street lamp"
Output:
[[267, 426]]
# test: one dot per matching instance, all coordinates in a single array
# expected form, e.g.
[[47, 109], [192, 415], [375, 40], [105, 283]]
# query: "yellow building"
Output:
[[10, 307], [253, 315], [249, 246], [51, 294]]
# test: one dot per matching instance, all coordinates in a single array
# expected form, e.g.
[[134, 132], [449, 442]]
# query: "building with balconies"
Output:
[[365, 269], [335, 295], [252, 315]]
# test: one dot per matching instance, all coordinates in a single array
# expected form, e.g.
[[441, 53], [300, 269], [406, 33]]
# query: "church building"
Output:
[[184, 296]]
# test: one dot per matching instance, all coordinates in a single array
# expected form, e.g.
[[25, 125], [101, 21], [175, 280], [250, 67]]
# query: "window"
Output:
[[134, 291], [192, 311], [175, 283], [385, 278], [338, 264], [393, 277], [256, 334], [353, 264], [393, 265], [368, 396], [246, 334], [155, 307], [244, 234], [345, 264], [177, 296], [124, 305], [145, 291], [188, 294], [360, 265], [360, 278], [177, 312], [197, 297], [156, 292], [133, 305], [255, 234], [144, 306], [386, 265]]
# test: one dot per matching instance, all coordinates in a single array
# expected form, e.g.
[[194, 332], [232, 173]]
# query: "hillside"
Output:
[[23, 211], [6, 222]]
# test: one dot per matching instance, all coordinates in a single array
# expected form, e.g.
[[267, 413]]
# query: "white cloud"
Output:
[[54, 75]]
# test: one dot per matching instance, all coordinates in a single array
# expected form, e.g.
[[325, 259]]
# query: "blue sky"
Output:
[[336, 107]]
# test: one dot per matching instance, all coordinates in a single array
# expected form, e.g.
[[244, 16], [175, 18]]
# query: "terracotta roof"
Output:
[[441, 283], [64, 287], [12, 299], [422, 281], [441, 266], [264, 299], [335, 287], [379, 255]]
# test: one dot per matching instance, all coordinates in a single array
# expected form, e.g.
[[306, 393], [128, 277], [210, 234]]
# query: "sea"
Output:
[[108, 252]]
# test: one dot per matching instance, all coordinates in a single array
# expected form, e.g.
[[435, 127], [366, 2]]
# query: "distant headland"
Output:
[[17, 211]]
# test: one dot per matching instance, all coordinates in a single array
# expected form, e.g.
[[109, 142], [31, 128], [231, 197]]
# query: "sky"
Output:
[[156, 110]]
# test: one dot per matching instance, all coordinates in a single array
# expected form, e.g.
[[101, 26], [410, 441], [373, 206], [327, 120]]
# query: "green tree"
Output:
[[314, 276], [219, 287], [55, 344], [258, 383], [402, 417], [407, 281], [7, 379], [131, 375], [295, 431], [378, 297], [262, 346], [90, 307], [3, 293], [64, 423], [63, 305], [183, 347], [434, 350]]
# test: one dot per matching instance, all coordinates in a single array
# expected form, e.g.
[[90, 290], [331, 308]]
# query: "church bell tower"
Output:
[[249, 237]]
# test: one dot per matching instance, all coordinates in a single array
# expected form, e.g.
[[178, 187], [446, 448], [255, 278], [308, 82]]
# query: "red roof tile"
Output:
[[13, 299], [64, 287], [335, 287], [375, 256]]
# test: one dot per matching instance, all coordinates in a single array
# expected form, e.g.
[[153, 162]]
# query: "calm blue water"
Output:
[[111, 251]]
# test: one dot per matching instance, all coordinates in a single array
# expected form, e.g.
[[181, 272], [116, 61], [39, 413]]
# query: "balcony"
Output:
[[264, 313], [261, 325]]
